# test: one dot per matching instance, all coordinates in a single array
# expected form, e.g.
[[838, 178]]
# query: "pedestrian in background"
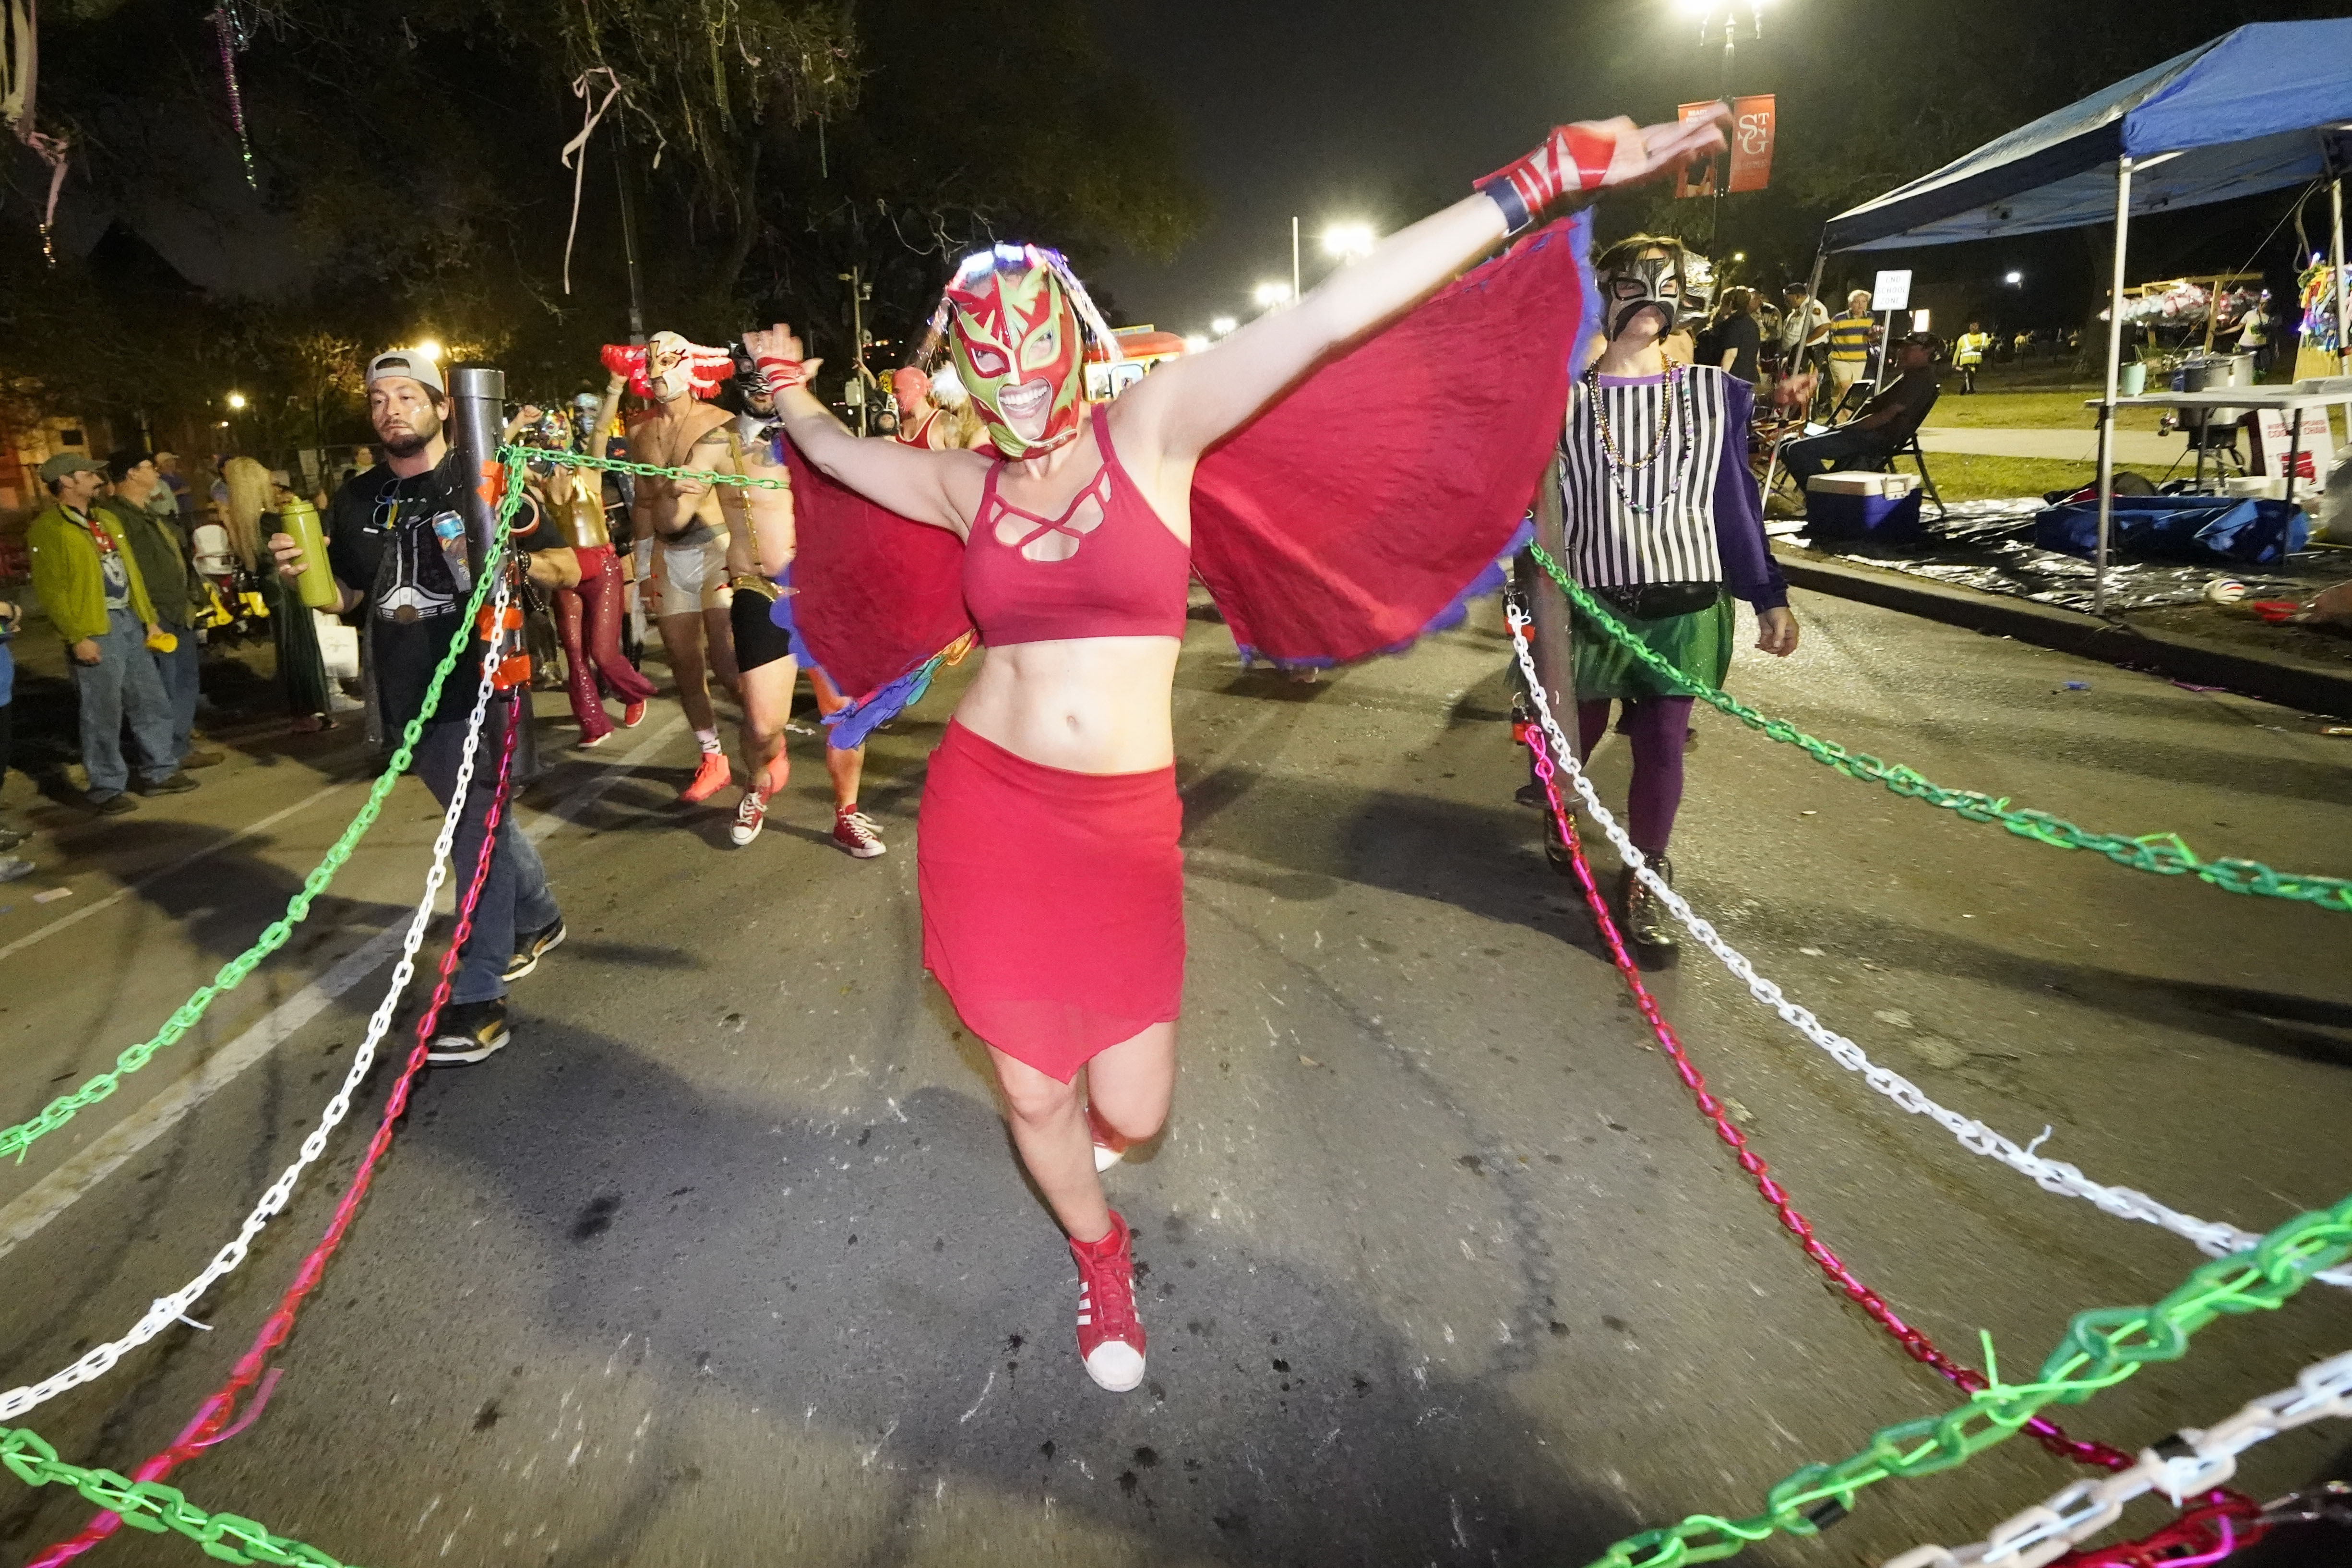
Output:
[[12, 615], [91, 585], [1851, 337], [1735, 343], [1968, 352], [166, 564], [175, 488]]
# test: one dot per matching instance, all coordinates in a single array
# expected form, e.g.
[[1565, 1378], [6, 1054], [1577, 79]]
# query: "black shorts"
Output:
[[758, 639]]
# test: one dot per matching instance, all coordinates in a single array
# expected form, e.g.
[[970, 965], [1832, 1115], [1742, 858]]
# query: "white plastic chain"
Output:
[[168, 1310], [2076, 1513], [2215, 1239]]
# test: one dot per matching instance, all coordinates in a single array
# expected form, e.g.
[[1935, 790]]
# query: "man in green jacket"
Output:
[[90, 587], [161, 551]]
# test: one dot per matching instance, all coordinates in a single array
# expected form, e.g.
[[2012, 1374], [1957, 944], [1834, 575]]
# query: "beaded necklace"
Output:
[[1677, 393]]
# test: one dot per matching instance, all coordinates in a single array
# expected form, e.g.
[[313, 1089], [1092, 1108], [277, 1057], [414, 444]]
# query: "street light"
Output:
[[428, 349], [2014, 280], [1270, 295], [1222, 325], [1195, 343], [237, 400], [1348, 241]]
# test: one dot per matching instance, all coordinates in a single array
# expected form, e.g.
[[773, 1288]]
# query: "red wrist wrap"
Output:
[[1572, 158]]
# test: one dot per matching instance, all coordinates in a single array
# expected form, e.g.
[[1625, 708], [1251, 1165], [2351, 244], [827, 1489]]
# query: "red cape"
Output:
[[1354, 513]]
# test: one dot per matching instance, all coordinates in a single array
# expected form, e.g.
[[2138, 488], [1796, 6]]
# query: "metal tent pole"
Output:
[[2115, 368], [2343, 337]]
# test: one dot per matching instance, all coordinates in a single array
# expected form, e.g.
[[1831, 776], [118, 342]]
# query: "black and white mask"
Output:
[[1651, 282]]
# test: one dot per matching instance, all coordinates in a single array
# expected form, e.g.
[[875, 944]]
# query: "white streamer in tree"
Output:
[[171, 1309], [2212, 1237], [578, 148]]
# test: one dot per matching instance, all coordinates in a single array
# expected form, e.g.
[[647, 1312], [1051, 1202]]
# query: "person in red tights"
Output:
[[588, 615]]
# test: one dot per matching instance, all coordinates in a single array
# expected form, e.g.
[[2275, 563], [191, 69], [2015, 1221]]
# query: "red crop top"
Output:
[[1107, 567]]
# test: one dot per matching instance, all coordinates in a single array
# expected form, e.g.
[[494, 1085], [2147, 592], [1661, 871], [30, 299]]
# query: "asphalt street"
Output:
[[726, 1259]]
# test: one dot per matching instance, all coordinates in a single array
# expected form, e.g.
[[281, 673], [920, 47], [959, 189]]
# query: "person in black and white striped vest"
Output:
[[1663, 523]]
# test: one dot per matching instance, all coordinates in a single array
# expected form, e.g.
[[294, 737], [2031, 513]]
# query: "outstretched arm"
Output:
[[1185, 408], [910, 481]]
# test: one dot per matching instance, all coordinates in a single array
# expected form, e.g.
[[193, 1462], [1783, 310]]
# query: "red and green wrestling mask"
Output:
[[1013, 315]]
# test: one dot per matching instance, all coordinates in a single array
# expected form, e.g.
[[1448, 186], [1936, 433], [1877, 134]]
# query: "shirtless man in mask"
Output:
[[680, 528]]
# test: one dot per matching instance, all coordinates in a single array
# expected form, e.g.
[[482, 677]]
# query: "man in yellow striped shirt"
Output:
[[1851, 336]]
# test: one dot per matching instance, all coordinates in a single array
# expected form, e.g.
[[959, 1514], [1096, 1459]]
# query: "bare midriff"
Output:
[[1089, 705]]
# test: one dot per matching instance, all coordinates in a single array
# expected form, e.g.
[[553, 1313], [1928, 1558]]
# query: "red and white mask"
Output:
[[668, 367]]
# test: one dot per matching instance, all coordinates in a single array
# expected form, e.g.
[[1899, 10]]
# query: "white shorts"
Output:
[[1844, 372], [693, 576]]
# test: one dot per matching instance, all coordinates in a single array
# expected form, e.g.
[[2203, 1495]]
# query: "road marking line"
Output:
[[27, 1215], [54, 1193], [176, 867]]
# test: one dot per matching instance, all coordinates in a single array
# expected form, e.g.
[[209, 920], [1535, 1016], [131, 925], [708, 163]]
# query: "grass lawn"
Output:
[[2039, 409], [1964, 476]]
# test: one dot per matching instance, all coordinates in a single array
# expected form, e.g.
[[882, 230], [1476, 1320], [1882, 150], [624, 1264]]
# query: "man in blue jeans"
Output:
[[90, 584], [391, 569]]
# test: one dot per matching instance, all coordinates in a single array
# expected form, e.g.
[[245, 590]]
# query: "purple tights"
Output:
[[1656, 727]]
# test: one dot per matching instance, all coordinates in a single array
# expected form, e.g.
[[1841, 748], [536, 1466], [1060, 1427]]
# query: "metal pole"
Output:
[[477, 395], [629, 239], [1722, 165], [857, 333], [2343, 336], [1294, 256], [2114, 370]]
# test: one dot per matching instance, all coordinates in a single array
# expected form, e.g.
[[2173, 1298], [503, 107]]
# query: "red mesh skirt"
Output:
[[1052, 901]]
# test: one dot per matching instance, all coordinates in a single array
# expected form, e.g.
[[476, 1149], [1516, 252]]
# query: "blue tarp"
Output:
[[2256, 109], [2179, 528]]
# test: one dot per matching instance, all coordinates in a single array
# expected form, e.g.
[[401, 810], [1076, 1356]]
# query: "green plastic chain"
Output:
[[155, 1508], [517, 455], [14, 1141], [2101, 1349], [2165, 854]]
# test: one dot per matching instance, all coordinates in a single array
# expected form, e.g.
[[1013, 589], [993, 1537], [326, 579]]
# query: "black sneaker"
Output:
[[113, 804], [178, 783], [469, 1032], [532, 946]]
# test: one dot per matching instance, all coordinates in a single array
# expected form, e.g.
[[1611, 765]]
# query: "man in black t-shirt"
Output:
[[387, 531], [1869, 439]]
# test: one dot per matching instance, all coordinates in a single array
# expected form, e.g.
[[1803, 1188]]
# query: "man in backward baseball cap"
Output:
[[407, 363], [389, 566]]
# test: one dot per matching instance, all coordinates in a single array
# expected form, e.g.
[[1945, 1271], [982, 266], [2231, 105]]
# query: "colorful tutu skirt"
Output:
[[1052, 901]]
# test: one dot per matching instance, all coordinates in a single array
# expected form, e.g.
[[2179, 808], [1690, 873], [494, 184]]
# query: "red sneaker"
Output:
[[855, 832], [1110, 1336], [1110, 1145], [709, 778], [631, 715], [750, 815]]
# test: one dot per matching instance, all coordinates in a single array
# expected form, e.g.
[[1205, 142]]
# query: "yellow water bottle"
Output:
[[316, 586]]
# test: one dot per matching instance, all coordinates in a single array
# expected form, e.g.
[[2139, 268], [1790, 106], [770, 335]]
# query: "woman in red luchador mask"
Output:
[[1047, 863]]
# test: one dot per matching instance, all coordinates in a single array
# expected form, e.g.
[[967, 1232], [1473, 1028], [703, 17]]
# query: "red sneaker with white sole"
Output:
[[1110, 1145], [750, 815], [709, 778], [856, 833], [631, 715], [1110, 1336]]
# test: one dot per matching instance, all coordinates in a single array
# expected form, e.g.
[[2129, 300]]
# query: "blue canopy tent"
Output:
[[2262, 108]]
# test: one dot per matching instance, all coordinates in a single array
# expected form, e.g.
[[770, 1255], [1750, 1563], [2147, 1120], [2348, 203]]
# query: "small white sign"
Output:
[[1892, 291], [1918, 321], [2310, 467]]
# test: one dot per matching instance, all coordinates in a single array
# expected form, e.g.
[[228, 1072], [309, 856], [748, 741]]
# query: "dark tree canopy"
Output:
[[408, 174]]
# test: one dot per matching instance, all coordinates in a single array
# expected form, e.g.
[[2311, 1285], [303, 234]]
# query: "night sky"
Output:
[[1377, 109]]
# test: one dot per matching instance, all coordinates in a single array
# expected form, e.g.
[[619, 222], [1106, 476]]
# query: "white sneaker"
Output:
[[750, 815], [12, 869]]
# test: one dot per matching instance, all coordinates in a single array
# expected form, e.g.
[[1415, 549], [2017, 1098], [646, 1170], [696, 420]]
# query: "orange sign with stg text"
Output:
[[1754, 123]]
